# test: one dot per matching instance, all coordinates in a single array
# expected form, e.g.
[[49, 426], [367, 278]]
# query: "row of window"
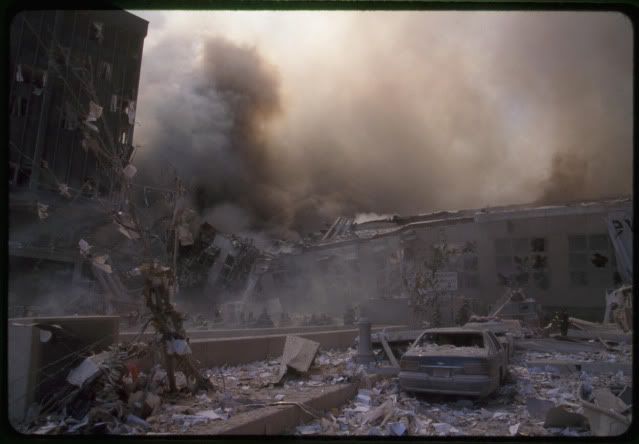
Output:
[[521, 261]]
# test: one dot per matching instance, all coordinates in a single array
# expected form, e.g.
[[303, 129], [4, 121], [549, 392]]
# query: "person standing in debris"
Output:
[[564, 321], [464, 313]]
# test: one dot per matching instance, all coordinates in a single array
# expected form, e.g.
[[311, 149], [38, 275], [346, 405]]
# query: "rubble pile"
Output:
[[94, 397]]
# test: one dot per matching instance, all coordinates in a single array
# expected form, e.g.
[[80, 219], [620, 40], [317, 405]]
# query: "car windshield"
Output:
[[451, 339]]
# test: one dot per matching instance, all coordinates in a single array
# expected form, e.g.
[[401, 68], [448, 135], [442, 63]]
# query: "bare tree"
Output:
[[424, 287]]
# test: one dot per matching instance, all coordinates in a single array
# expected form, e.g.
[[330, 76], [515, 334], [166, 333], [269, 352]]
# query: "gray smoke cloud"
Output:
[[407, 113]]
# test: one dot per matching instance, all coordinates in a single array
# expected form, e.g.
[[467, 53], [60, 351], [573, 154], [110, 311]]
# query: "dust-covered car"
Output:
[[505, 331], [456, 361]]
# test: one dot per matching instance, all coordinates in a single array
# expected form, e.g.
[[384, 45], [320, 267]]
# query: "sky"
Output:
[[282, 121]]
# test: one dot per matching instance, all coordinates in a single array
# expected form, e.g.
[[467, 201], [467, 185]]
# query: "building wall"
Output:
[[330, 278], [63, 44]]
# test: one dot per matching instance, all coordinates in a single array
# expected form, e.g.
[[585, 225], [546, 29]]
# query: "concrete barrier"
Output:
[[277, 420], [242, 332], [235, 351]]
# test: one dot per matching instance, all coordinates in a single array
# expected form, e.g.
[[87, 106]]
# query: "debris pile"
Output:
[[94, 397], [533, 402]]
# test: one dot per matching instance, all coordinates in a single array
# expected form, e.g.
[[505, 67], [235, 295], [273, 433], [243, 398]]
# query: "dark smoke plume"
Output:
[[406, 113]]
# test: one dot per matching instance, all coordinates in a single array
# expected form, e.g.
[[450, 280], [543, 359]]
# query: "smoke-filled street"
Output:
[[335, 223]]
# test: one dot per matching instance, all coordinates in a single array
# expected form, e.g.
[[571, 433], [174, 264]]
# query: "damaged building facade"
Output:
[[70, 71], [561, 256]]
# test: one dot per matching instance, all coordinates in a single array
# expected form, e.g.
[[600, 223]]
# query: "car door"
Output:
[[493, 357], [501, 353]]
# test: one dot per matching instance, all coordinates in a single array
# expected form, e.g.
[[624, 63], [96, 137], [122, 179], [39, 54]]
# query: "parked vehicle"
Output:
[[454, 360]]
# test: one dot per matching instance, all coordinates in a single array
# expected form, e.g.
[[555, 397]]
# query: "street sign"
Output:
[[446, 281]]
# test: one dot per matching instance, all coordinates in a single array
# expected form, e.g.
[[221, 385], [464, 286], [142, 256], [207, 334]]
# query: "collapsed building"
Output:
[[560, 255]]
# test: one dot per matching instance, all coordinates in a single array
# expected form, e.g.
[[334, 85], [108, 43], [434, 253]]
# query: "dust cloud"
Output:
[[387, 113]]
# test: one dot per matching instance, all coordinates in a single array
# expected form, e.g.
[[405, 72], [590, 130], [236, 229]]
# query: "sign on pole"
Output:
[[446, 281]]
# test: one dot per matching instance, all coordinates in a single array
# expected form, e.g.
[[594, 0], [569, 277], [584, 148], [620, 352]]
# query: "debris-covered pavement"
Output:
[[538, 399], [115, 397], [533, 402]]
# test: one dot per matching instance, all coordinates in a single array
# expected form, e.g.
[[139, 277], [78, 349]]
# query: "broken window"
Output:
[[538, 245], [539, 261], [589, 256], [13, 172], [471, 263], [104, 71], [19, 76], [517, 258], [23, 177], [577, 243], [599, 260], [19, 108], [32, 76], [96, 31], [129, 110]]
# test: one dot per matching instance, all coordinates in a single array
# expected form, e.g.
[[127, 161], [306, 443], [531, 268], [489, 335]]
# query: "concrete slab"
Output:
[[569, 367], [242, 350], [298, 354], [275, 420], [251, 332], [557, 346]]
